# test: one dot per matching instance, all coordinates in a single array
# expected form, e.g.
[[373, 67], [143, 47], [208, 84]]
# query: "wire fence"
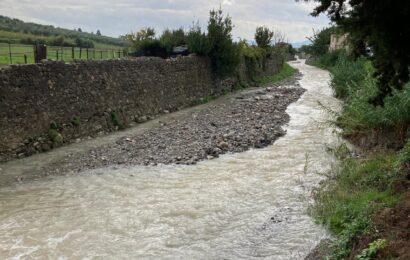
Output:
[[26, 54]]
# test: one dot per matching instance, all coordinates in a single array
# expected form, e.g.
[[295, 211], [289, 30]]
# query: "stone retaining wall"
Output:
[[47, 105]]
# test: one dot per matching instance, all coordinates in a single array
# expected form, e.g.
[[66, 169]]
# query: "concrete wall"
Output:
[[338, 42], [47, 105]]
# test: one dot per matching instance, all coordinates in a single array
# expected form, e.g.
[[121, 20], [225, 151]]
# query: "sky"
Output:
[[118, 17]]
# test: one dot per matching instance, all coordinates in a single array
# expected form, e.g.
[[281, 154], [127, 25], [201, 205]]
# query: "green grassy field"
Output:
[[22, 54]]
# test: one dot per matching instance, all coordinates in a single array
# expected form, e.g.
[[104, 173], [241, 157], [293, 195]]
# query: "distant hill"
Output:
[[17, 31]]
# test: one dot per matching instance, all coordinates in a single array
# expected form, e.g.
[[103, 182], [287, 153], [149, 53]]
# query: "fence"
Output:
[[25, 54]]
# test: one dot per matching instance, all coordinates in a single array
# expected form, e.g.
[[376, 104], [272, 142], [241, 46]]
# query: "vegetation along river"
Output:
[[239, 206]]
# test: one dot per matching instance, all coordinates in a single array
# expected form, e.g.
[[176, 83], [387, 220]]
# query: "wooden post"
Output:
[[94, 54], [11, 59], [72, 53], [101, 55], [80, 53], [25, 59], [40, 53], [56, 54], [87, 53]]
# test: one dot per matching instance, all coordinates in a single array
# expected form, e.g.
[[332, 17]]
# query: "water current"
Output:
[[250, 205]]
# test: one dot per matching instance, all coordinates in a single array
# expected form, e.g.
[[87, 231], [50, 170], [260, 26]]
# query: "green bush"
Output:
[[347, 75], [152, 47], [359, 115], [170, 39], [353, 81], [55, 137]]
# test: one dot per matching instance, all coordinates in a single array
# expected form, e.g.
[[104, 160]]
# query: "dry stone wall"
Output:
[[50, 104]]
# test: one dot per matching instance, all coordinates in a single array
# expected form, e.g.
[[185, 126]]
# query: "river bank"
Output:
[[364, 202]]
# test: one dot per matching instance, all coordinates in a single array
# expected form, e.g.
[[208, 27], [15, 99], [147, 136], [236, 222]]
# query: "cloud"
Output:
[[118, 17]]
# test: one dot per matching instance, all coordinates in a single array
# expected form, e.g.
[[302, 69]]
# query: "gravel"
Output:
[[252, 118]]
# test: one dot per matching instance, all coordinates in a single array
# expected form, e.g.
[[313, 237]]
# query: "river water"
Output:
[[250, 205]]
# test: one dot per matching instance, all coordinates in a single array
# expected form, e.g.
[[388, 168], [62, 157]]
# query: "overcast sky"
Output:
[[118, 17]]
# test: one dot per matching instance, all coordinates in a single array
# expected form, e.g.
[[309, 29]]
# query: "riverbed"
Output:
[[248, 205]]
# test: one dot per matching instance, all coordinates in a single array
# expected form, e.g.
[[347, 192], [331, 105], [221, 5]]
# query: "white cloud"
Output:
[[122, 16]]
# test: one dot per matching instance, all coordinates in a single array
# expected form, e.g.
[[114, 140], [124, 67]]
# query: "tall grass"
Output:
[[353, 81]]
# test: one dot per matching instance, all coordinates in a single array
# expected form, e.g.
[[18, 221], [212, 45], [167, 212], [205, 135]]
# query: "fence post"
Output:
[[11, 59], [94, 54], [101, 55], [87, 53], [35, 53], [72, 53], [56, 54], [25, 59], [40, 53], [62, 53], [80, 53]]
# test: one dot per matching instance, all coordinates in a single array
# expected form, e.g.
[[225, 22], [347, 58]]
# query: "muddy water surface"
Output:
[[250, 205]]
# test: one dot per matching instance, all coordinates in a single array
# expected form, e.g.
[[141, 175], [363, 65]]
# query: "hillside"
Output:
[[17, 31]]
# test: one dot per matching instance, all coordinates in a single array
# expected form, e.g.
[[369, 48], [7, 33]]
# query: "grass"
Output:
[[356, 189], [22, 54], [286, 72]]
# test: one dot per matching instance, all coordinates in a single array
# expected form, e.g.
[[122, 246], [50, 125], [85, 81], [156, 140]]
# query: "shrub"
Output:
[[170, 39], [55, 136], [152, 47], [84, 43], [346, 73]]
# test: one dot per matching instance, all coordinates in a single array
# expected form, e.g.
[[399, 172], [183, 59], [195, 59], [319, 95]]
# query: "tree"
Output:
[[278, 37], [382, 26], [98, 33], [321, 41], [79, 29], [263, 37], [223, 52], [197, 40], [144, 34]]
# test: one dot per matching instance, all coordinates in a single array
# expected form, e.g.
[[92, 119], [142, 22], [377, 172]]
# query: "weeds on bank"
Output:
[[354, 190], [353, 81], [203, 100]]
